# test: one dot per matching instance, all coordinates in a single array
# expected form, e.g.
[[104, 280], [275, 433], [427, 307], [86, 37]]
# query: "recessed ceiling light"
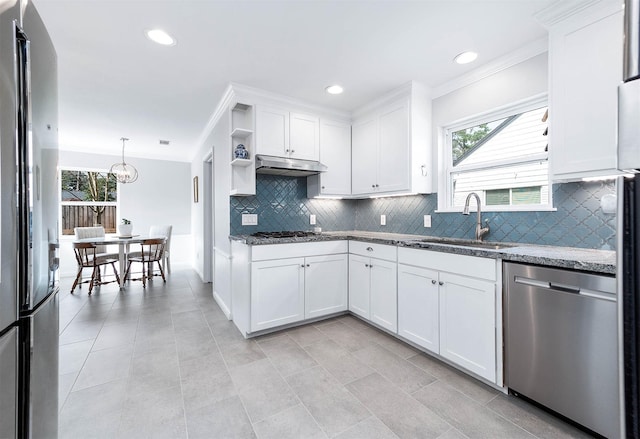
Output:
[[334, 89], [465, 57], [161, 37]]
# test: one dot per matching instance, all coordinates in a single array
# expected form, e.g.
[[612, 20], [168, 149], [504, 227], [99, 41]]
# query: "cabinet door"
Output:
[[304, 136], [418, 306], [384, 294], [272, 131], [335, 153], [359, 274], [277, 292], [326, 283], [364, 156], [585, 70], [467, 323], [393, 148]]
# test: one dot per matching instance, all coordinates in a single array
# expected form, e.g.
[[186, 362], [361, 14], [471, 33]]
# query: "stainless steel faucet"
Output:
[[480, 231]]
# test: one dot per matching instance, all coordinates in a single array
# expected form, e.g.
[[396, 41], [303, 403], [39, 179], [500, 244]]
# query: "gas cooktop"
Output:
[[284, 234]]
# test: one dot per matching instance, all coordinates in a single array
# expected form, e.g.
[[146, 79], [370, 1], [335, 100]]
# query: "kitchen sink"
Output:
[[475, 244]]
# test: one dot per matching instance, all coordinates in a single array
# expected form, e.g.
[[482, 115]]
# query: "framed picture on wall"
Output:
[[195, 189]]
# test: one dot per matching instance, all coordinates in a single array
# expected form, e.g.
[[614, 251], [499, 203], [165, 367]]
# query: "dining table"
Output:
[[123, 243]]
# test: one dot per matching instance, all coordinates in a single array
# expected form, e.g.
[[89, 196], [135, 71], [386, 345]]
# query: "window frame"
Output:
[[82, 203], [445, 163]]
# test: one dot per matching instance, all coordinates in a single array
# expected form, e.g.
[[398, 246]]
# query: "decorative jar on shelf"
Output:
[[241, 152]]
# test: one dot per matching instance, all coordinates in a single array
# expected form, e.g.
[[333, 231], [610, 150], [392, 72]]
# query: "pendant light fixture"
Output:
[[124, 173]]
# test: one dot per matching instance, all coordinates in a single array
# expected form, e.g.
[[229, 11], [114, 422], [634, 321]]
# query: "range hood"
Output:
[[266, 164]]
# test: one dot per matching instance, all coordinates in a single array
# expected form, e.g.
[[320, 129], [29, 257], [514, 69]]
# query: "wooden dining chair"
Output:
[[87, 257], [152, 250]]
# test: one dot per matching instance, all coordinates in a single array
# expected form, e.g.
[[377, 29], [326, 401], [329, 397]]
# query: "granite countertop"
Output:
[[596, 261]]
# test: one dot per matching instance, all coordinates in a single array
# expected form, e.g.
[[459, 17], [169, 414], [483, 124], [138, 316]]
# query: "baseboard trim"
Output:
[[223, 306]]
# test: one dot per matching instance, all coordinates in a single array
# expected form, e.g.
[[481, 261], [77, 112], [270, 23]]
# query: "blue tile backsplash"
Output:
[[281, 204]]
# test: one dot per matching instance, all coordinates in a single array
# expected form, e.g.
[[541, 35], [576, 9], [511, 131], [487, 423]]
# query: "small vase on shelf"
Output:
[[241, 152]]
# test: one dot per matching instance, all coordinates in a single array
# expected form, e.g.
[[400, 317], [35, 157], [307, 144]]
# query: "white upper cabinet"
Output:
[[585, 69], [391, 150], [304, 136], [282, 133], [335, 153], [272, 129], [364, 155]]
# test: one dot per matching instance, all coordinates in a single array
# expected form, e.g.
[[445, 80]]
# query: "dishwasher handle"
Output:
[[564, 288]]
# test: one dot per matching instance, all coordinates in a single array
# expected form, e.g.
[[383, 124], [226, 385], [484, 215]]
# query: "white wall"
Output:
[[161, 195], [521, 81], [218, 142]]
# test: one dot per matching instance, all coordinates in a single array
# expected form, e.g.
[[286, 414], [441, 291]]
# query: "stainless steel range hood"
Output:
[[266, 164]]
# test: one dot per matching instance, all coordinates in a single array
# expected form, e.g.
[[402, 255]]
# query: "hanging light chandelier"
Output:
[[124, 172]]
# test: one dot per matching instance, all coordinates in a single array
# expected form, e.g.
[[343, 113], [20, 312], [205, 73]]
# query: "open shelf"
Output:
[[242, 162], [241, 133], [243, 173]]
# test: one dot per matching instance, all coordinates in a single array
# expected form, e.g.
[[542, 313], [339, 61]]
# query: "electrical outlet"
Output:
[[312, 219], [249, 219], [383, 220], [427, 220]]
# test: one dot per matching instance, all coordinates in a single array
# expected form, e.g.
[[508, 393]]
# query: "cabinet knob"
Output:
[[373, 185], [302, 265], [433, 281], [377, 185], [440, 283], [369, 249], [308, 265], [322, 187], [370, 265], [292, 151], [366, 265], [286, 150]]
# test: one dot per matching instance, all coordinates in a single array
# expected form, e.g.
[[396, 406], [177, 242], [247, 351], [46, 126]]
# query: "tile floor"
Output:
[[166, 363]]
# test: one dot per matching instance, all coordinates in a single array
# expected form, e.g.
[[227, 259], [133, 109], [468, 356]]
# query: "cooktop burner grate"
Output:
[[283, 234]]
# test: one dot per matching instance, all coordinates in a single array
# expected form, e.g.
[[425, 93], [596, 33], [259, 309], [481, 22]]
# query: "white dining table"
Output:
[[123, 248]]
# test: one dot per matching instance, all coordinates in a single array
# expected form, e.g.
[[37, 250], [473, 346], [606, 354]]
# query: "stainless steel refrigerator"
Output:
[[28, 225], [628, 274]]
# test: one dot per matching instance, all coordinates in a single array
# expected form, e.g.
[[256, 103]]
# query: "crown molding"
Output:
[[252, 94], [561, 10], [497, 65], [403, 90]]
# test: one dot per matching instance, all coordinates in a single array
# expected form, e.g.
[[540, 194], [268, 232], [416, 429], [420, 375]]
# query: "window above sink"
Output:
[[501, 155]]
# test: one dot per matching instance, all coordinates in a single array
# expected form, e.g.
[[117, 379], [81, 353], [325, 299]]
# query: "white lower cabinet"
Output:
[[447, 313], [418, 306], [277, 293], [359, 286], [373, 284], [325, 285], [384, 294], [467, 323], [293, 289]]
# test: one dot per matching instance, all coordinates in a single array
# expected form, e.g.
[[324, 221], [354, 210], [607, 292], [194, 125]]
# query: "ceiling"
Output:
[[115, 82]]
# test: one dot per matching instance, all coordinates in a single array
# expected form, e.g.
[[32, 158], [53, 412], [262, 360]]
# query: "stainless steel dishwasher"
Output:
[[561, 343]]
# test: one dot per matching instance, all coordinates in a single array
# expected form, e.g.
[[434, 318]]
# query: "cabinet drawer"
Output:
[[297, 250], [380, 251], [482, 268]]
